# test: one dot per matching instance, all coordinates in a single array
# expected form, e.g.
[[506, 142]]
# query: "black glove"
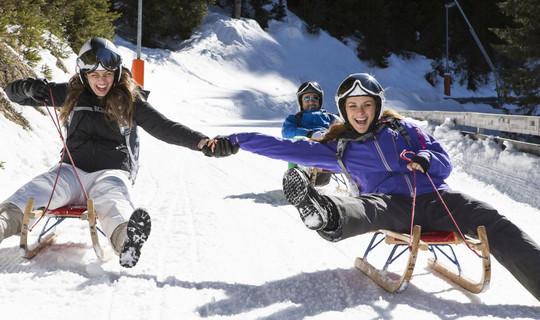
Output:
[[207, 150], [423, 161], [223, 148], [38, 90]]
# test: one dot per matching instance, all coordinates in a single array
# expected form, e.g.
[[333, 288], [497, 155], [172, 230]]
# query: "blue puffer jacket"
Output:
[[305, 122], [374, 164]]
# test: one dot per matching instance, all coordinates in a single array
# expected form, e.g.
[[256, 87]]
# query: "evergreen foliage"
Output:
[[261, 11], [86, 19], [279, 11], [522, 49], [23, 18], [508, 29], [261, 14], [167, 20], [34, 24], [382, 28]]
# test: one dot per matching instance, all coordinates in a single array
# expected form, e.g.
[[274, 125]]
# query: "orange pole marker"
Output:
[[137, 69], [447, 83]]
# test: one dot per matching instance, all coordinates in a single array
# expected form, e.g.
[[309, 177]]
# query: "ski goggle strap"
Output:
[[359, 84], [91, 59]]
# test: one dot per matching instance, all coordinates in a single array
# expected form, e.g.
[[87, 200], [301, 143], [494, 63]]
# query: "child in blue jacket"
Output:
[[312, 120]]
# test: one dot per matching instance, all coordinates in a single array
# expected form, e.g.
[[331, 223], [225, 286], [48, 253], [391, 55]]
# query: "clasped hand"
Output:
[[219, 147]]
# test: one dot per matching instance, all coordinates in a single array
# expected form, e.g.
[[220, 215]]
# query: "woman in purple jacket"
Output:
[[366, 148]]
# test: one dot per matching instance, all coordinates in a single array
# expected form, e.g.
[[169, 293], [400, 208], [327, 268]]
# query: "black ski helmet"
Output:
[[360, 84], [99, 54], [309, 87]]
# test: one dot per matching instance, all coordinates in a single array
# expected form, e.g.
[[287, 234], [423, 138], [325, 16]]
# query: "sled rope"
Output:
[[403, 156], [413, 209], [56, 121]]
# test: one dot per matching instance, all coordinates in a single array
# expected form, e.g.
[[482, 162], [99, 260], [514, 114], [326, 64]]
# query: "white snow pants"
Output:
[[109, 189]]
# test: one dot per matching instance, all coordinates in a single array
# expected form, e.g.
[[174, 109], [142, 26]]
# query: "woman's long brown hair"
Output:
[[339, 129], [118, 103]]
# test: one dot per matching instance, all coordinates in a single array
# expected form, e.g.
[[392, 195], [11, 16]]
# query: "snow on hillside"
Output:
[[225, 243]]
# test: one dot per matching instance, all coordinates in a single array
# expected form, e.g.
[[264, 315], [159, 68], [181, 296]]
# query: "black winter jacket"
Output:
[[97, 144]]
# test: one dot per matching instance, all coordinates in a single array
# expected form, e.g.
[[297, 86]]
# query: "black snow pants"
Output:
[[512, 248]]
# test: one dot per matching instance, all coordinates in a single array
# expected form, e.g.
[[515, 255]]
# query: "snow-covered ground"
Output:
[[225, 243]]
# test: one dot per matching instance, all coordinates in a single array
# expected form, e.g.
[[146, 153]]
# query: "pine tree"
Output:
[[278, 11], [166, 22], [35, 21], [522, 48], [86, 19]]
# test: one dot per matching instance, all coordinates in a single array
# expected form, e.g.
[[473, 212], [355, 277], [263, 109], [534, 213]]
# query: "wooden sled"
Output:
[[434, 242], [46, 237]]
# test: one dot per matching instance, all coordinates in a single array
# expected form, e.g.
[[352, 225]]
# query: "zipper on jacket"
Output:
[[381, 155], [93, 139], [403, 174], [411, 189]]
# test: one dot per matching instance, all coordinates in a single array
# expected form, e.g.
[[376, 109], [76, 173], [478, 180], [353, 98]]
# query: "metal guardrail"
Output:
[[498, 122]]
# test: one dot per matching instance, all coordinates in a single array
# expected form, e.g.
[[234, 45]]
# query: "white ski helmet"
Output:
[[309, 87], [99, 54], [360, 84]]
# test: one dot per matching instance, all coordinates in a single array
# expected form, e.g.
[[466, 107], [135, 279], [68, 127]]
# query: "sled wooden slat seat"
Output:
[[434, 242], [76, 211], [46, 238], [426, 238]]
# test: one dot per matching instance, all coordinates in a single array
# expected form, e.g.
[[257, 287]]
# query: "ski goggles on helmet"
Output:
[[92, 59], [309, 87], [359, 84]]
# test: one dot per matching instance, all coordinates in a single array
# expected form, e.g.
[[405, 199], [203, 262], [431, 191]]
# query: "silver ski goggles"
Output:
[[359, 84], [90, 60]]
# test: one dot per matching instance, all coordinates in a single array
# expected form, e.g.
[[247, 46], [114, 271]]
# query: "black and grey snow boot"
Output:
[[313, 208], [138, 230]]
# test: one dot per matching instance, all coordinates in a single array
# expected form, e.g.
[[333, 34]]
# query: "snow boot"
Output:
[[315, 210], [11, 219], [138, 230]]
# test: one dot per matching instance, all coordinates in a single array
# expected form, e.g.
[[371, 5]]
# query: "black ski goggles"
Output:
[[367, 84], [91, 59]]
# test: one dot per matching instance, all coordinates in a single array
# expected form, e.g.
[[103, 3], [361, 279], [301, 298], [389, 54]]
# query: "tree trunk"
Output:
[[237, 11]]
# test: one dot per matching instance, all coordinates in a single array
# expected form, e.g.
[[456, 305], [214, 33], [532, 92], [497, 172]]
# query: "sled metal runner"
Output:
[[48, 235], [435, 242]]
